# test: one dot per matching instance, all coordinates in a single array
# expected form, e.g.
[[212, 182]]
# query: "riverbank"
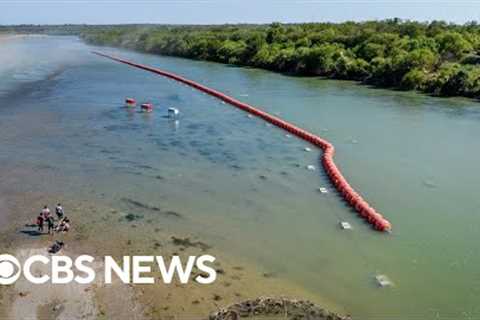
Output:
[[11, 36], [92, 233]]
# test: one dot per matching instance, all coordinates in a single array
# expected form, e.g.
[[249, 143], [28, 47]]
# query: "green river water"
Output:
[[243, 185]]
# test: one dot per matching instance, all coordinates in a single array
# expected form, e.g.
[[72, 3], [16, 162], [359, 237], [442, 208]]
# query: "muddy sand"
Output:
[[236, 280], [10, 36]]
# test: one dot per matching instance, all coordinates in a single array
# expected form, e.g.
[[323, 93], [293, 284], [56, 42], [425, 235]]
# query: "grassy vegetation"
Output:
[[437, 58]]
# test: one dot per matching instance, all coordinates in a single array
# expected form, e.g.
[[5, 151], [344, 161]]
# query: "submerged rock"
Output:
[[133, 217], [143, 166], [429, 184], [268, 275], [138, 204], [173, 214], [186, 242]]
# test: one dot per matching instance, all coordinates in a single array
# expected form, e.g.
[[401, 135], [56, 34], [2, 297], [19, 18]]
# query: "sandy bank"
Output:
[[72, 301], [99, 230], [9, 36]]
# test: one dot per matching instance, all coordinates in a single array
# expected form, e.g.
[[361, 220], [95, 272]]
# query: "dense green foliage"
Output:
[[434, 57], [437, 58]]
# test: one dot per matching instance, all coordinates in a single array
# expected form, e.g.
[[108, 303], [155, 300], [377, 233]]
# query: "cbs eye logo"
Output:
[[9, 269]]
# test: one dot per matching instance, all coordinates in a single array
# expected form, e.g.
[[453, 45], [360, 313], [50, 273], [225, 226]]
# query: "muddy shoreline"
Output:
[[236, 282]]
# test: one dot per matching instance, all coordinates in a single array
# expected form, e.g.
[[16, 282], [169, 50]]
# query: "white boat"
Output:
[[173, 112]]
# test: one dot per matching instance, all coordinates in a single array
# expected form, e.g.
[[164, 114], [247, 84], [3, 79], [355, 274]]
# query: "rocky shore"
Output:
[[275, 307]]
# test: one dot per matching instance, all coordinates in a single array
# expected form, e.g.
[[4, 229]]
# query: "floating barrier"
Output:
[[341, 184]]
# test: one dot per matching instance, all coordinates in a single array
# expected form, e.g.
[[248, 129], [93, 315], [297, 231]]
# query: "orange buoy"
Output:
[[384, 225], [360, 205]]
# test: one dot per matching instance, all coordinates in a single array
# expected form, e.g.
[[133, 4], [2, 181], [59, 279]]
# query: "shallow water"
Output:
[[242, 185]]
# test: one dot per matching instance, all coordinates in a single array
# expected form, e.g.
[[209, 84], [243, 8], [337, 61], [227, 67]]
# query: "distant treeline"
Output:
[[438, 58], [60, 29]]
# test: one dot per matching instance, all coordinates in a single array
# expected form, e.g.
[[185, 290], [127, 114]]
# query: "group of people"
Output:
[[46, 217]]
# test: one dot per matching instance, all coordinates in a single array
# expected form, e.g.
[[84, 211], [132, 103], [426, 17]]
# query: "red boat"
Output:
[[130, 102], [147, 107]]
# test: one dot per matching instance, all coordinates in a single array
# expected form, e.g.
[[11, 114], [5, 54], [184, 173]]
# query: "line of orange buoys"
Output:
[[348, 193]]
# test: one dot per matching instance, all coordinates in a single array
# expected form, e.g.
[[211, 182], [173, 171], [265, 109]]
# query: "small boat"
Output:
[[147, 107], [130, 102], [173, 112]]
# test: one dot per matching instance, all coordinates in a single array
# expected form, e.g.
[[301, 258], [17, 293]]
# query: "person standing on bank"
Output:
[[45, 212], [59, 211], [40, 222], [50, 224]]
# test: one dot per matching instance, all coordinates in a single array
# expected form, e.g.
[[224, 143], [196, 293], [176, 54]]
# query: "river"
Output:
[[243, 185]]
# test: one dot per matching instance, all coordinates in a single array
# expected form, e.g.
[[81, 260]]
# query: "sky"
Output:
[[231, 11]]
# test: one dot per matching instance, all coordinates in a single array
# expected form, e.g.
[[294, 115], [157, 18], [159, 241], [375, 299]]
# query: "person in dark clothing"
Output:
[[56, 247], [50, 224], [63, 226], [40, 222], [59, 211]]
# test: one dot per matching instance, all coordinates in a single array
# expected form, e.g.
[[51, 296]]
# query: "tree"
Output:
[[320, 60], [232, 51], [423, 58], [452, 45], [415, 79], [370, 50]]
